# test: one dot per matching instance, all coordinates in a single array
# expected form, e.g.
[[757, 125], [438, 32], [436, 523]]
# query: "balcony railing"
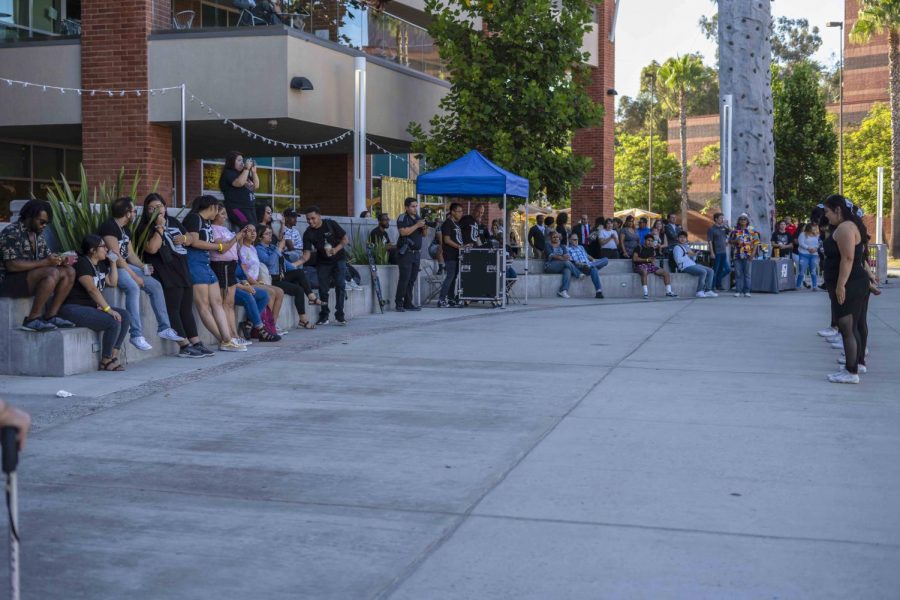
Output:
[[22, 21], [343, 22]]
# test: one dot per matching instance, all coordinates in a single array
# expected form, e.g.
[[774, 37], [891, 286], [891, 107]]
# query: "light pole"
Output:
[[652, 124], [840, 24]]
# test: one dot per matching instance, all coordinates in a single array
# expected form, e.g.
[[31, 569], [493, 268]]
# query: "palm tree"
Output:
[[679, 77], [876, 16]]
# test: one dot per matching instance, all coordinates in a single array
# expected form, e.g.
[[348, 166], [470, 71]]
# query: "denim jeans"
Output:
[[595, 266], [449, 283], [335, 274], [253, 304], [811, 262], [566, 268], [705, 277], [112, 332], [742, 269], [721, 269], [153, 289]]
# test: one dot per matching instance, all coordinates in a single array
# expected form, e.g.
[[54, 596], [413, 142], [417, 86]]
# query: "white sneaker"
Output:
[[827, 333], [711, 294], [240, 341], [843, 377], [832, 339], [700, 294], [842, 360], [563, 294], [231, 347], [746, 294], [837, 345], [738, 295], [862, 369], [140, 343], [171, 335]]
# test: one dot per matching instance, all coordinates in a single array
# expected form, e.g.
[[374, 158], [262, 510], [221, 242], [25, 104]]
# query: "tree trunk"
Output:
[[682, 109], [745, 72], [894, 61]]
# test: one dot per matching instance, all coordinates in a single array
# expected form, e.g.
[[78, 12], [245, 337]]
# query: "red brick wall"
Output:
[[595, 197], [115, 130], [327, 181]]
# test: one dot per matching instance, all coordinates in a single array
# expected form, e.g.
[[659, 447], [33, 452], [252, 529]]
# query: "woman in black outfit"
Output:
[[164, 250], [847, 282]]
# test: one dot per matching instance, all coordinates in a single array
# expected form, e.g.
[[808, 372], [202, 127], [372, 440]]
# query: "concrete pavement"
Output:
[[567, 449]]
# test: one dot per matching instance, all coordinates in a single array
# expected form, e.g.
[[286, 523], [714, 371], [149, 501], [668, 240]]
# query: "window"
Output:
[[279, 180], [27, 171]]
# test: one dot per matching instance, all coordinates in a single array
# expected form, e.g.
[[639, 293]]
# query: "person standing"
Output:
[[164, 251], [643, 230], [562, 227], [808, 253], [409, 246], [847, 283], [451, 243], [583, 231], [745, 241], [608, 239], [133, 275], [474, 232], [781, 243], [327, 239], [238, 183], [27, 268], [717, 236], [629, 239], [536, 237], [671, 229]]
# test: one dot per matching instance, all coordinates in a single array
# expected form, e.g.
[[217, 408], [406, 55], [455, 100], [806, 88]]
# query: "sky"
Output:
[[650, 30]]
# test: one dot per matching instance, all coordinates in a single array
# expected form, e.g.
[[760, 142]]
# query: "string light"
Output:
[[79, 91]]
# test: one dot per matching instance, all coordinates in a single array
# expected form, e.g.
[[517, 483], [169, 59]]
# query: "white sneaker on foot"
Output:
[[563, 294], [862, 369], [230, 346], [700, 294], [843, 377], [140, 343], [746, 294], [827, 333], [171, 335], [711, 294], [738, 295]]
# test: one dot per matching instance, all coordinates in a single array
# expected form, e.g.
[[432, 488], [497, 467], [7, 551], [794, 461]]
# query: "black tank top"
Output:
[[832, 265]]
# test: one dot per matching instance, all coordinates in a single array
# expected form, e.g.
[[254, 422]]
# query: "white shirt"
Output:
[[680, 254], [808, 244], [293, 236], [609, 239]]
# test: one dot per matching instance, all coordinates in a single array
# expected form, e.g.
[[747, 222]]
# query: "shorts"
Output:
[[646, 268], [198, 265], [15, 285], [225, 271]]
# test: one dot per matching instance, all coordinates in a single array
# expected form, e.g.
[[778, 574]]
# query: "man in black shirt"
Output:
[[327, 239], [473, 231], [380, 235], [782, 244], [409, 245], [452, 240], [536, 237]]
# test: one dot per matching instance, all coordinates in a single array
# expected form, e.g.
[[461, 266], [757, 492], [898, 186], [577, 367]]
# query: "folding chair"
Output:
[[511, 296]]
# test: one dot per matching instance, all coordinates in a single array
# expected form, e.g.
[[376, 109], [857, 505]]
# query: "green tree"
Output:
[[632, 170], [877, 16], [805, 142], [792, 39], [866, 149], [681, 78], [518, 87]]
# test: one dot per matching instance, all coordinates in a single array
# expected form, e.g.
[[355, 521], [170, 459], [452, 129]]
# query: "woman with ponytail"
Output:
[[847, 282]]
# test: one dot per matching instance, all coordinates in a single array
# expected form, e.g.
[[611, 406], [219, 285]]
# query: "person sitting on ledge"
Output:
[[684, 260], [286, 276], [644, 262], [560, 262], [27, 268], [587, 264], [86, 306]]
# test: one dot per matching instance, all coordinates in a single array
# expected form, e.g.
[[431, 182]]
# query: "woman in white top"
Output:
[[250, 264], [609, 240], [808, 250]]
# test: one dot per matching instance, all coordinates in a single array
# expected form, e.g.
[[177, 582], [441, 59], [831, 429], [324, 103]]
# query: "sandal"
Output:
[[307, 324], [315, 301], [265, 336], [110, 364]]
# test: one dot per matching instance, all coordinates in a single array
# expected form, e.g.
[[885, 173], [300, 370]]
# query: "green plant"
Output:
[[358, 255], [76, 215]]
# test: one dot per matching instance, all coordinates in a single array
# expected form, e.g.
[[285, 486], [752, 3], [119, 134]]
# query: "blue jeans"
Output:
[[596, 265], [112, 332], [705, 277], [811, 262], [721, 269], [153, 289], [253, 304], [566, 268], [742, 269]]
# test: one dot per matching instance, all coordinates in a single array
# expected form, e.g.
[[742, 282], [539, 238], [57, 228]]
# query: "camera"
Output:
[[428, 216]]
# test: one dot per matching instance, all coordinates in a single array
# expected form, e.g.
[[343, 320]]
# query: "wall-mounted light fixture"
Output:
[[301, 83], [612, 92]]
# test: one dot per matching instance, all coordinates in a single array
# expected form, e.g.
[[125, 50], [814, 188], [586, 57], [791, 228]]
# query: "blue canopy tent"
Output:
[[473, 175]]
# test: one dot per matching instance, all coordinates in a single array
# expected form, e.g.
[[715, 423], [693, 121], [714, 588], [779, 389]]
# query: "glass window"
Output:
[[284, 203], [399, 166], [11, 190], [284, 184], [211, 173], [265, 161], [14, 161], [263, 200], [265, 181], [73, 164], [48, 162], [284, 162], [380, 165]]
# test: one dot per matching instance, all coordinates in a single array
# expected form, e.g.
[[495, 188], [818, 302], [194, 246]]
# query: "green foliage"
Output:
[[632, 172], [683, 75], [805, 141], [792, 39], [357, 250], [710, 157], [77, 215], [875, 16], [866, 149], [518, 88]]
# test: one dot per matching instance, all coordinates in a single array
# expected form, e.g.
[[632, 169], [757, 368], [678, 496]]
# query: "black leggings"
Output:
[[180, 306], [853, 326], [294, 283]]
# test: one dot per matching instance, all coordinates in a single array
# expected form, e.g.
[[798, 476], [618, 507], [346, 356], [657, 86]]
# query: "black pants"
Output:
[[295, 284], [246, 216], [180, 307], [409, 272], [332, 275], [449, 283]]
